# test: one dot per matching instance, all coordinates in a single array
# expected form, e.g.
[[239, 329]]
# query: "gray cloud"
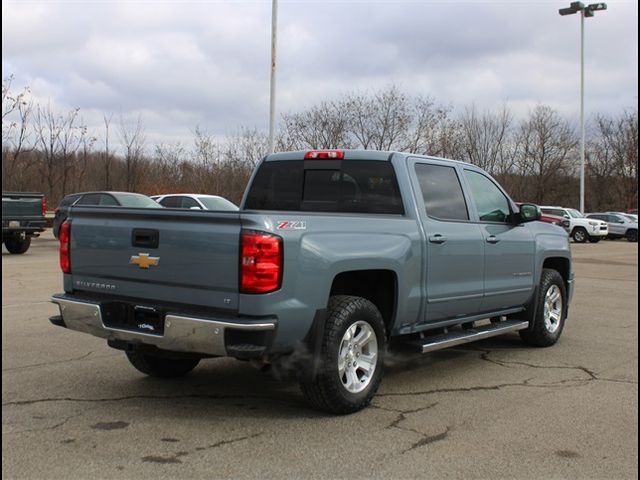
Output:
[[185, 63]]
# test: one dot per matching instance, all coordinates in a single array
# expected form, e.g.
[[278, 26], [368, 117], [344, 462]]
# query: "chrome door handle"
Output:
[[493, 239], [437, 238]]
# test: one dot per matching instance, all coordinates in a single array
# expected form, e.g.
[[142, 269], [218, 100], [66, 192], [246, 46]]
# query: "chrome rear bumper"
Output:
[[181, 333]]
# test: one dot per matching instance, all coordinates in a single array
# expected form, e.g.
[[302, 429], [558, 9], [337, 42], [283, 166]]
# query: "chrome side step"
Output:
[[459, 337]]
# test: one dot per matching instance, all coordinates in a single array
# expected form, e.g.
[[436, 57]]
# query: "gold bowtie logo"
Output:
[[144, 260]]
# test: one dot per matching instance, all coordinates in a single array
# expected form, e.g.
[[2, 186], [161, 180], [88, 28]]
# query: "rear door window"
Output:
[[90, 199], [171, 202], [108, 200], [442, 192], [188, 202]]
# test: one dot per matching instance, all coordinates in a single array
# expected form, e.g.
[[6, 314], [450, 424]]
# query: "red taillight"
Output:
[[324, 155], [44, 206], [260, 262], [65, 247]]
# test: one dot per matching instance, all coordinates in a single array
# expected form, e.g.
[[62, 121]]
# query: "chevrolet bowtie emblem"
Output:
[[144, 260]]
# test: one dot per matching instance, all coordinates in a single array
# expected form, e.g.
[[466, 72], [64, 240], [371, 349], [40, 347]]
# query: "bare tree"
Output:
[[486, 139], [58, 139], [547, 147], [16, 112], [613, 160], [133, 139], [321, 126]]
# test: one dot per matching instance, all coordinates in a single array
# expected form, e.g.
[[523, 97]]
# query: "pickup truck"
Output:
[[332, 255], [23, 217]]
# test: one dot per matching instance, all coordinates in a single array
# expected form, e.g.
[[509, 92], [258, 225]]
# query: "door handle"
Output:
[[492, 239], [437, 238]]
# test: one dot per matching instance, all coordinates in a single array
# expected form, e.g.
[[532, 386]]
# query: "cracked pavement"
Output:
[[73, 408]]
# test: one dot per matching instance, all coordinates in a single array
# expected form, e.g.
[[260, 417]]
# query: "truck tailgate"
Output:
[[21, 206], [176, 256]]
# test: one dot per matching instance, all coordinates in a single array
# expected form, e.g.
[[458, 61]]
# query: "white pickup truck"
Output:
[[581, 228]]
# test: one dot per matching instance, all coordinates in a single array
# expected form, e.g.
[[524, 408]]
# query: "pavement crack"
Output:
[[52, 427], [175, 457], [590, 373], [136, 397], [428, 439], [33, 365]]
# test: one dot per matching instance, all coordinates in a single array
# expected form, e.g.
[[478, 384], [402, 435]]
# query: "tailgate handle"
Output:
[[145, 237]]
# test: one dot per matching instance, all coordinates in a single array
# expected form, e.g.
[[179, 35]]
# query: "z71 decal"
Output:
[[292, 225]]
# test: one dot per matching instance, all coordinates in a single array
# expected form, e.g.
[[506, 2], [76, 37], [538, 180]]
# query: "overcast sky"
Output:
[[182, 64]]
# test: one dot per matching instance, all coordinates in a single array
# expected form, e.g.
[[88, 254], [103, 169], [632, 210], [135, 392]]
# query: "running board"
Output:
[[459, 337]]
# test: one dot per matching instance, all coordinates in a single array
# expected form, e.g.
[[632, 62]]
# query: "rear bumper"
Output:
[[182, 333]]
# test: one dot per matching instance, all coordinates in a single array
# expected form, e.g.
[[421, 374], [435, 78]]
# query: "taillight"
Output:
[[260, 262], [65, 246], [44, 206], [324, 155]]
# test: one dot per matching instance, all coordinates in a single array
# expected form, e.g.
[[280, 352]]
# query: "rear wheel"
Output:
[[594, 239], [545, 327], [580, 235], [351, 357], [17, 244], [632, 235], [161, 367]]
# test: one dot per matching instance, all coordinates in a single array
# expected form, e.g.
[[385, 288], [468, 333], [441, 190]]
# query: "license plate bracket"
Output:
[[135, 318]]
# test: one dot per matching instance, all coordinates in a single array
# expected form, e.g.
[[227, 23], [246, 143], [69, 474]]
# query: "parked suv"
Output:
[[619, 225], [581, 228], [110, 199], [195, 202]]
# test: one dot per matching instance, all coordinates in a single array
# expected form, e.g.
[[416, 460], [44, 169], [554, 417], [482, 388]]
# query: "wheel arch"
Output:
[[379, 286]]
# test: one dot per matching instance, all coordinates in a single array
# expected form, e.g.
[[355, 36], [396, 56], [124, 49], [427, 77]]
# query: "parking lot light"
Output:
[[585, 11]]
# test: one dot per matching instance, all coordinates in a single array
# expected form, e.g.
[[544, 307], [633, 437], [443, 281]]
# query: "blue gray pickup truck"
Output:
[[332, 255]]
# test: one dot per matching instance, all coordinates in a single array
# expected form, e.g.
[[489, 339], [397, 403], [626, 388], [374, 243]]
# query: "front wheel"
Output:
[[580, 235], [351, 357], [161, 367], [17, 245], [594, 239], [545, 326]]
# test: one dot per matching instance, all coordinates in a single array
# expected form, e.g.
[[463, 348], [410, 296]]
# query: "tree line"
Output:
[[535, 157]]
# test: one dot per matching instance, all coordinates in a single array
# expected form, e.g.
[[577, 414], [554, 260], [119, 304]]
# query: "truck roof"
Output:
[[359, 155]]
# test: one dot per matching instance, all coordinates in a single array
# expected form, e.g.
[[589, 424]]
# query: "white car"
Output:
[[195, 201], [581, 228]]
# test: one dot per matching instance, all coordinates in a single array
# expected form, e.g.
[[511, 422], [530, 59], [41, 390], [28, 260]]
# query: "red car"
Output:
[[560, 221]]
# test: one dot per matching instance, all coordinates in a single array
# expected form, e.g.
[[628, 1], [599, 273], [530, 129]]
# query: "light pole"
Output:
[[272, 96], [585, 11]]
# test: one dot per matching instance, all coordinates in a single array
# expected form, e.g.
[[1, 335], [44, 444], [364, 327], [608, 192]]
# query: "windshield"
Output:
[[631, 218], [136, 201], [213, 203], [575, 213]]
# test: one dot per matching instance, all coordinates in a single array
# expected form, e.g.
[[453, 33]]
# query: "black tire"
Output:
[[538, 334], [632, 235], [580, 235], [17, 245], [326, 391], [161, 367], [594, 239]]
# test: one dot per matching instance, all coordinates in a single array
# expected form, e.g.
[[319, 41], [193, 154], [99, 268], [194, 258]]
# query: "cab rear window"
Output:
[[356, 186]]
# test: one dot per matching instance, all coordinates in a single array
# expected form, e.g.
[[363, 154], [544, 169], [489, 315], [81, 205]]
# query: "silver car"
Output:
[[620, 225]]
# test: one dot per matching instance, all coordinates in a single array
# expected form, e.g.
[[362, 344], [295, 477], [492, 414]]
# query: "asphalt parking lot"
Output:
[[74, 408]]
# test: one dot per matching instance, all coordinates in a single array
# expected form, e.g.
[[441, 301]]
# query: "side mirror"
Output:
[[529, 212]]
